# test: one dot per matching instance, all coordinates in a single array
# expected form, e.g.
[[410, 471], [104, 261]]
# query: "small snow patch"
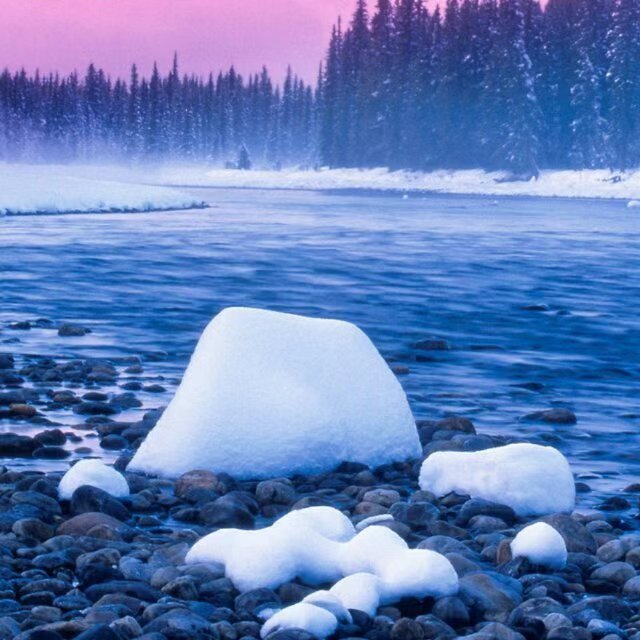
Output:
[[531, 479], [95, 474], [542, 545]]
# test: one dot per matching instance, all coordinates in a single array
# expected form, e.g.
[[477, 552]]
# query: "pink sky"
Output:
[[63, 35]]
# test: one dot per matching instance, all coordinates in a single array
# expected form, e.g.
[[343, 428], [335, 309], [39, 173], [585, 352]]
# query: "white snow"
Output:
[[573, 184], [315, 620], [542, 545], [36, 189], [359, 591], [531, 479], [316, 546], [330, 601], [95, 474], [270, 394]]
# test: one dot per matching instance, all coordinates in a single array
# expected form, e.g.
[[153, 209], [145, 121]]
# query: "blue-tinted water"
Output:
[[457, 268]]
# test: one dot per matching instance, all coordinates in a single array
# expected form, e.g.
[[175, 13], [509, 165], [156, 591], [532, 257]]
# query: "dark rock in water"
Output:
[[535, 307], [534, 611], [51, 453], [252, 602], [53, 437], [609, 608], [576, 536], [12, 445], [22, 410], [47, 506], [416, 515], [21, 325], [182, 588], [197, 479], [432, 344], [93, 408], [6, 361], [154, 388], [87, 499], [126, 401], [68, 330], [99, 632], [227, 511], [529, 386], [81, 525], [553, 416], [114, 442], [615, 503], [490, 595], [615, 572], [477, 506], [182, 623], [435, 628]]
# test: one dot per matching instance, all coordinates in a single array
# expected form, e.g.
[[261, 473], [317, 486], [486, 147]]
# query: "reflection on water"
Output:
[[457, 268]]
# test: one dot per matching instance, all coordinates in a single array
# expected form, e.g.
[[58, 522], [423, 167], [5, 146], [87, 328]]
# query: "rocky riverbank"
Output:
[[97, 567]]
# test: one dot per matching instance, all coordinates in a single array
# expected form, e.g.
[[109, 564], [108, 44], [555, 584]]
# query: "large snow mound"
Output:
[[542, 545], [43, 189], [531, 479], [271, 394], [317, 546], [95, 474]]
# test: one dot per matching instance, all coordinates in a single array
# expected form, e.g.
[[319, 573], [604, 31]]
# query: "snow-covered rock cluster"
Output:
[[319, 545], [270, 394], [531, 479], [95, 474]]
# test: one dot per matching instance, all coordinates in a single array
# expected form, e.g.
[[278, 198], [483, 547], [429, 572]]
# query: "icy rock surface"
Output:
[[542, 545], [319, 545], [531, 479], [95, 474], [269, 394]]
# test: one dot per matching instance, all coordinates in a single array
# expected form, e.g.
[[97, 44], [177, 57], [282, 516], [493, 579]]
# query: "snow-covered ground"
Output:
[[569, 184], [37, 189]]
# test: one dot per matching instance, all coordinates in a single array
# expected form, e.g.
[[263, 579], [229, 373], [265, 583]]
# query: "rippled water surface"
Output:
[[457, 268]]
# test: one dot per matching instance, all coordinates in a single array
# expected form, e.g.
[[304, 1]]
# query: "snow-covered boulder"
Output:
[[315, 620], [317, 546], [531, 479], [542, 545], [271, 394], [360, 591], [95, 474]]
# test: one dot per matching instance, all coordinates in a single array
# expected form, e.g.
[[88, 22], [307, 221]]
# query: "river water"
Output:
[[464, 269]]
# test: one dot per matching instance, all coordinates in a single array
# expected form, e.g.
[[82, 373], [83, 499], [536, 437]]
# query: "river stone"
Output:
[[608, 608], [227, 511], [490, 595], [275, 492], [452, 610], [534, 611], [81, 525], [553, 416], [86, 499], [576, 536], [617, 573], [32, 528], [12, 445], [480, 507], [416, 515]]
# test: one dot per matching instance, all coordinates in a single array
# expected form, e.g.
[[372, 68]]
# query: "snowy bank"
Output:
[[48, 189], [269, 394], [531, 479], [568, 184]]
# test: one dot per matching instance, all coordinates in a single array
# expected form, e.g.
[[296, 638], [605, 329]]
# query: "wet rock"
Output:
[[432, 344], [68, 330], [183, 588], [51, 453], [88, 499], [180, 623], [127, 587], [452, 611], [632, 587], [94, 408], [407, 629], [534, 612], [615, 572], [47, 506], [114, 442], [495, 631], [477, 507], [490, 595], [615, 503], [84, 523], [576, 536], [275, 492], [435, 629], [20, 410], [6, 361], [13, 445], [53, 437], [416, 515], [227, 511], [197, 479], [553, 416], [32, 528], [252, 602], [608, 608]]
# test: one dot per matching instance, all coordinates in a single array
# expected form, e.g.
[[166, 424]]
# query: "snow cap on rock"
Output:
[[529, 478], [271, 394], [95, 474], [542, 545]]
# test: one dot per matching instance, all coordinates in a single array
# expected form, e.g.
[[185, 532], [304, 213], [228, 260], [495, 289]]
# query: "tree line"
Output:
[[494, 84]]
